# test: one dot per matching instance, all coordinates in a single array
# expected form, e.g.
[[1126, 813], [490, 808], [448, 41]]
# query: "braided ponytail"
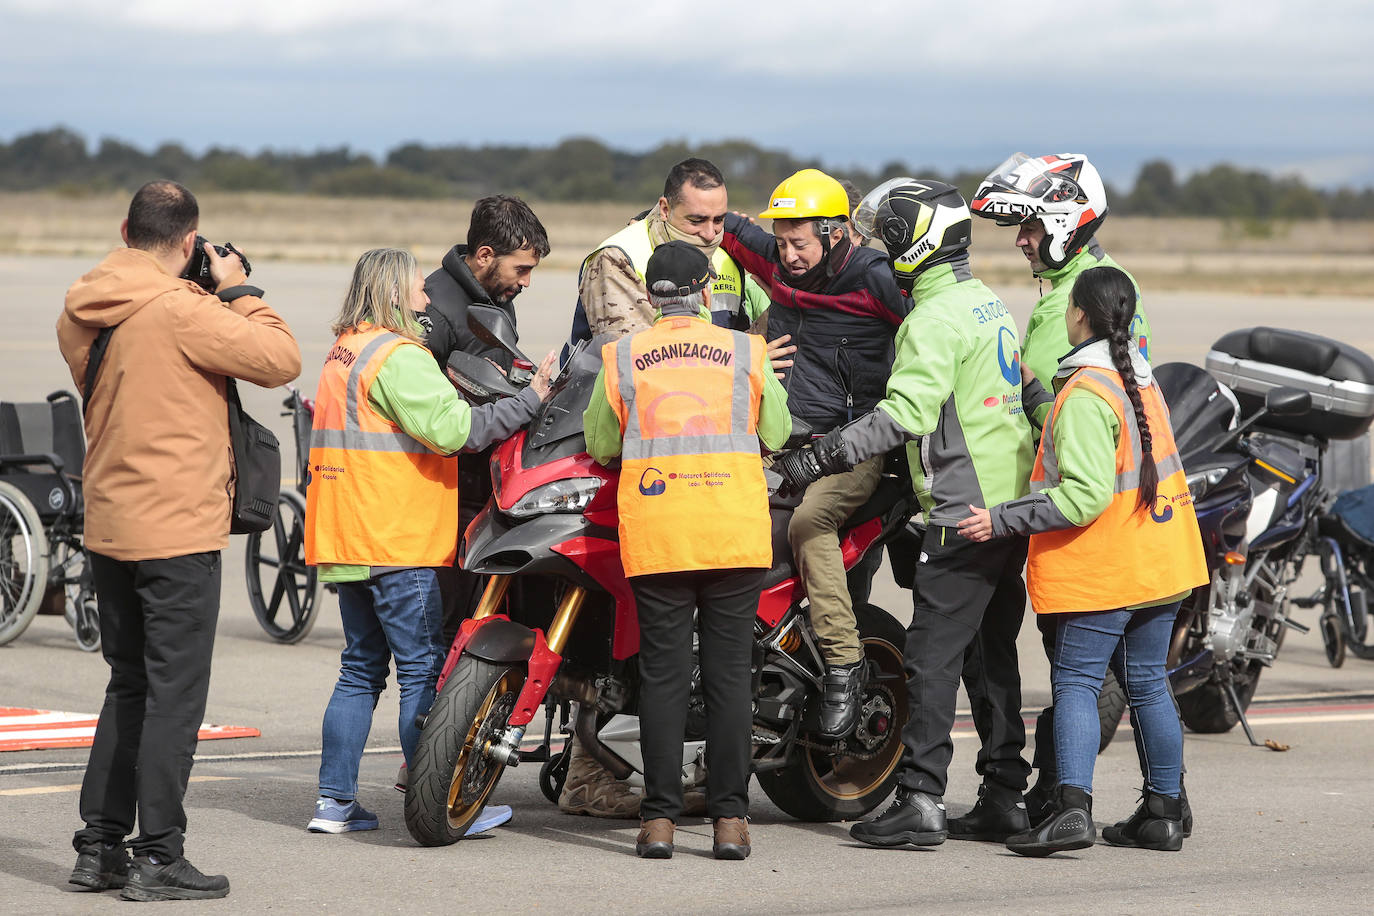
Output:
[[1107, 296]]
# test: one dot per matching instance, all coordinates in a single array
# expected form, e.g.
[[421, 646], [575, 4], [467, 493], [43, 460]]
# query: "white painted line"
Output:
[[1257, 721], [49, 790]]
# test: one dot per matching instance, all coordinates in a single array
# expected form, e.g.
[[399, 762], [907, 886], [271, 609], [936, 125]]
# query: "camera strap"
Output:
[[93, 361]]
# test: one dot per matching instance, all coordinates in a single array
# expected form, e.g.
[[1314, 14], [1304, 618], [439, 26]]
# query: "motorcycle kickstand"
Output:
[[1228, 684], [543, 752]]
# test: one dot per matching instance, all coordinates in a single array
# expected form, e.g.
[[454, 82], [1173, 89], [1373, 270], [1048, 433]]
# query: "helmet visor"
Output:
[[866, 213], [1035, 179]]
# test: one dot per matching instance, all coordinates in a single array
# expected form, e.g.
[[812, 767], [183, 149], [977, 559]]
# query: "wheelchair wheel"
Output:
[[68, 569], [284, 591], [23, 562], [87, 622]]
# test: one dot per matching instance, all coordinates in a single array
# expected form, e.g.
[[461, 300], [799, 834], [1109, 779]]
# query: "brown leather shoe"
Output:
[[655, 839], [732, 838]]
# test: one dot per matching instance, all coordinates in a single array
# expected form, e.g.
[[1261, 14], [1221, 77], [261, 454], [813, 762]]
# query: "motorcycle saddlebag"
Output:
[[1339, 377]]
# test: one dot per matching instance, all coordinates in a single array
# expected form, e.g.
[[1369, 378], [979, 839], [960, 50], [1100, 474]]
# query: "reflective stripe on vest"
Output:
[[376, 495], [352, 436], [1128, 555], [691, 493], [1128, 479], [727, 290]]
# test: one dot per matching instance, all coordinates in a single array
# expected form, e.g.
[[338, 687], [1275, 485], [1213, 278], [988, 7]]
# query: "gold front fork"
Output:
[[492, 596], [565, 617]]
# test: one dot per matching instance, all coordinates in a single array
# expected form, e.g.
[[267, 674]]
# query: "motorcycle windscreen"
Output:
[[1201, 409], [556, 430]]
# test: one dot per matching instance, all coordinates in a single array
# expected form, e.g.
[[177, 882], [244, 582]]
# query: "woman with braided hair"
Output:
[[1114, 548]]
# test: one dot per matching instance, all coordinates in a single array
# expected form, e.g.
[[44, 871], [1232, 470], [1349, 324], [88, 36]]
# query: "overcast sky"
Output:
[[1284, 86]]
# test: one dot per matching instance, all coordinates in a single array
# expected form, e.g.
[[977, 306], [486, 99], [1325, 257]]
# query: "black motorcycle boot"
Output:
[[915, 818], [841, 690], [998, 813], [1069, 826], [1185, 817], [1156, 824], [1040, 798], [101, 866]]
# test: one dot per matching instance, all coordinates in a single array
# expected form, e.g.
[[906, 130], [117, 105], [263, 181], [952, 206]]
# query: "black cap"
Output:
[[682, 264]]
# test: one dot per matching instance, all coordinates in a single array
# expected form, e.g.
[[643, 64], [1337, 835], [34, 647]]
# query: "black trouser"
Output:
[[157, 632], [993, 650], [460, 590], [1046, 766], [726, 602], [962, 589]]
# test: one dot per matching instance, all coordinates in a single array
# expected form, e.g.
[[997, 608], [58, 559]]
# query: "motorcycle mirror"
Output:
[[1287, 402], [493, 326], [478, 379]]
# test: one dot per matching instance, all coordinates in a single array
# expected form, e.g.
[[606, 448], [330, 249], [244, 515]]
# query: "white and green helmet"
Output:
[[1063, 191], [921, 222]]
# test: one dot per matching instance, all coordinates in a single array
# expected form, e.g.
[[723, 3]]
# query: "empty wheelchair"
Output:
[[283, 591], [43, 565]]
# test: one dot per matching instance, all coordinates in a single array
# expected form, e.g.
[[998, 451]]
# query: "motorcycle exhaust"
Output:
[[585, 730]]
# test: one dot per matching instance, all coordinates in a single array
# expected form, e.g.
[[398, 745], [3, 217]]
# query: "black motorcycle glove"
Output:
[[831, 453], [798, 468]]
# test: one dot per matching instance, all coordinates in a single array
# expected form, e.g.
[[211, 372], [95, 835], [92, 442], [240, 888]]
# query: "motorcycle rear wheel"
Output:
[[451, 777], [1111, 703], [1207, 709], [819, 786]]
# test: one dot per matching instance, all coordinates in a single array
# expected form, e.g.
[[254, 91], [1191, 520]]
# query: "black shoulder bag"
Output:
[[256, 474]]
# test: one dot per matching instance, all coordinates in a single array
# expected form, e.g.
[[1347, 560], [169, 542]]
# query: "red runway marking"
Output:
[[38, 729]]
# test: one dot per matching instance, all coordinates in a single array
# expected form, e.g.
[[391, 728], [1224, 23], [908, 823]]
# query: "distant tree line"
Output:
[[584, 169]]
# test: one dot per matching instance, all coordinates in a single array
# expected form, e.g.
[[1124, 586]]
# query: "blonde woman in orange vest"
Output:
[[382, 512], [1114, 548], [685, 405]]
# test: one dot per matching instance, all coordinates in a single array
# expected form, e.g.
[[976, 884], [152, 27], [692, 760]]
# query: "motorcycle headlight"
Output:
[[569, 496], [1199, 482]]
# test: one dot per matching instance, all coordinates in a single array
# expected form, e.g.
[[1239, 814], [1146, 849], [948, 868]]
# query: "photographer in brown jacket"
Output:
[[156, 484]]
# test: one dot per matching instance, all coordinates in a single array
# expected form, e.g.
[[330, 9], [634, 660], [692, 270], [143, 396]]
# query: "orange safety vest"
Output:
[[691, 494], [376, 496], [1127, 556]]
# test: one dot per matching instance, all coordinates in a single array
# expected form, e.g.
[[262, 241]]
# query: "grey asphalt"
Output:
[[1282, 831]]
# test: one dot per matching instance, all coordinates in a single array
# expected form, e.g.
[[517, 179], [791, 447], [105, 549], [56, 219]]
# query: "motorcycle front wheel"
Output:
[[452, 775], [817, 785]]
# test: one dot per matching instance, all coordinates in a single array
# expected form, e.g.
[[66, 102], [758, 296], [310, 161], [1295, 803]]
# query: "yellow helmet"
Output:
[[809, 194]]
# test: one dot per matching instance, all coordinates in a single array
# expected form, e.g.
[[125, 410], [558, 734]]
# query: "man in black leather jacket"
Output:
[[841, 307], [505, 243]]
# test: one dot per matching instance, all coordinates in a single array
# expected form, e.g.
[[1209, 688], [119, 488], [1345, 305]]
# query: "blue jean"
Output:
[[396, 614], [1135, 643]]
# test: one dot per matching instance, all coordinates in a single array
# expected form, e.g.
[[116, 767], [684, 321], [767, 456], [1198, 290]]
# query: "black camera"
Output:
[[198, 269]]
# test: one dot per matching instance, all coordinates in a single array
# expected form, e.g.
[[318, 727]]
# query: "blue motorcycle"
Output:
[[1254, 451]]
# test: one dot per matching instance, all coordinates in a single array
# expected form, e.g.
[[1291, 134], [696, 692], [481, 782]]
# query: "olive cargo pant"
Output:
[[813, 533]]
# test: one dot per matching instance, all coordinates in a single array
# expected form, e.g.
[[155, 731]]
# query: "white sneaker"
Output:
[[492, 816]]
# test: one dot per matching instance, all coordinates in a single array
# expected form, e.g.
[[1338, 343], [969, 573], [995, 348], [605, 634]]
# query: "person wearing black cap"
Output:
[[685, 405]]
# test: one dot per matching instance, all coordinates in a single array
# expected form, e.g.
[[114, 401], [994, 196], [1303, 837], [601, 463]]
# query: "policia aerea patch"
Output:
[[683, 352]]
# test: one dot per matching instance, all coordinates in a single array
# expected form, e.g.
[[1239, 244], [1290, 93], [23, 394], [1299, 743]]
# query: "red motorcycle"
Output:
[[572, 637]]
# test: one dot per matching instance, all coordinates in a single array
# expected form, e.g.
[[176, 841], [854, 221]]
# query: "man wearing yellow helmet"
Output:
[[841, 307]]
